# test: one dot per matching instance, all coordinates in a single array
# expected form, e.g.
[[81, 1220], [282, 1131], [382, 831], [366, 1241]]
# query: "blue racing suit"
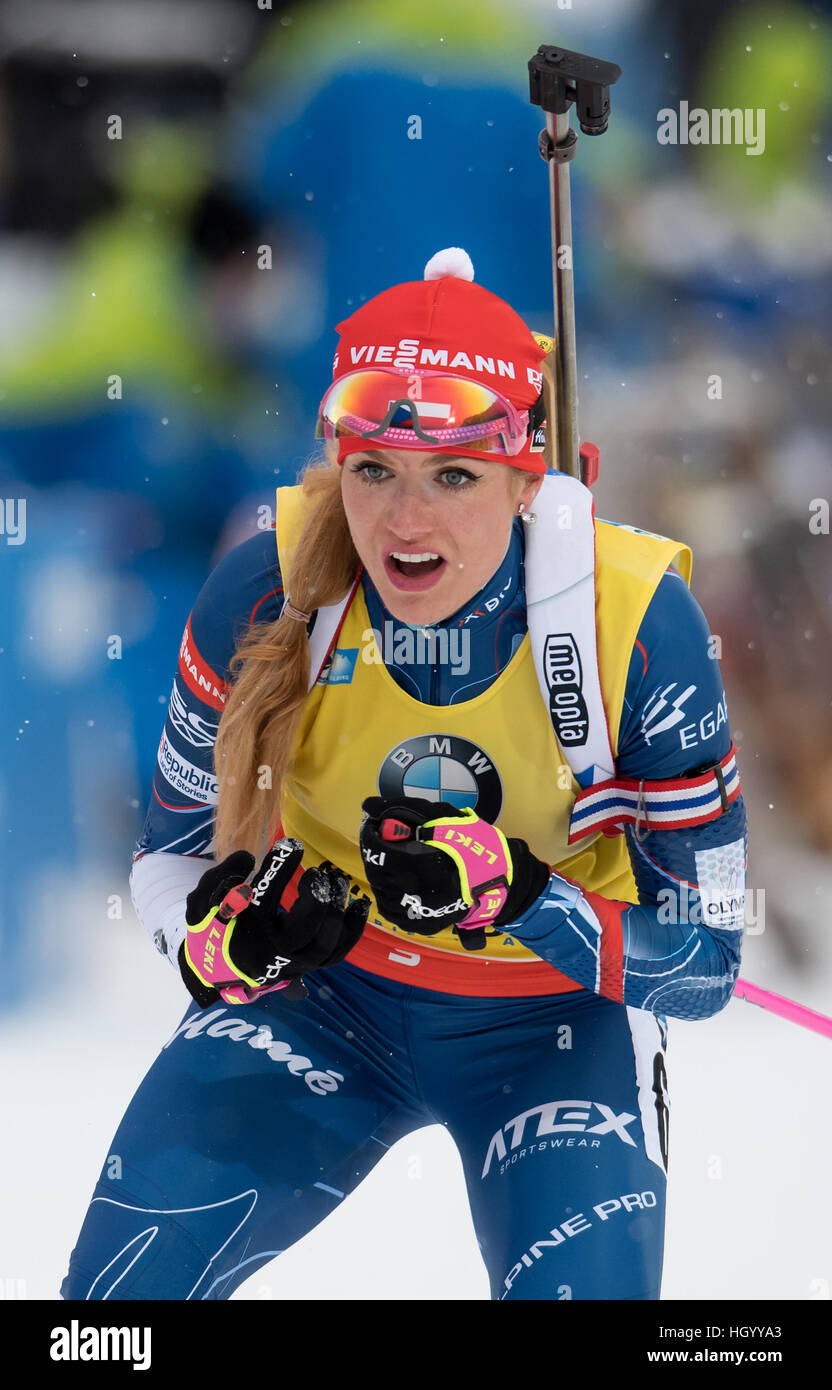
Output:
[[256, 1121]]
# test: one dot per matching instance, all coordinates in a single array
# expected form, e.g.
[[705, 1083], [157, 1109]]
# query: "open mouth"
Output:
[[413, 569], [411, 565]]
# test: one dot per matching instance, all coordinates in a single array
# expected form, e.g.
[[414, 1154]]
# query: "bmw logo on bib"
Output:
[[441, 767]]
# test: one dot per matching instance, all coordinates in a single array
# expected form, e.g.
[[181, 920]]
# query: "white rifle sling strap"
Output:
[[560, 606], [328, 622]]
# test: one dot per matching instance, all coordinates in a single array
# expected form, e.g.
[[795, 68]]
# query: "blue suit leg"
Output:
[[562, 1128], [248, 1130]]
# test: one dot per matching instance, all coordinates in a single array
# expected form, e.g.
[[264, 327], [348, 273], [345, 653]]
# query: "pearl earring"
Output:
[[528, 517]]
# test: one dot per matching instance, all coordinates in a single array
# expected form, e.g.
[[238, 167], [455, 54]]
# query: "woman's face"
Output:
[[403, 505]]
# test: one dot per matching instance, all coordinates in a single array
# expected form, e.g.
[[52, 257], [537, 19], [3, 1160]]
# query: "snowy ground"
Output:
[[750, 1203]]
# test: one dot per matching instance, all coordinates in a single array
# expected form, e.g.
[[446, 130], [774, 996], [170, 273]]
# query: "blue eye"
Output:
[[364, 470], [461, 473]]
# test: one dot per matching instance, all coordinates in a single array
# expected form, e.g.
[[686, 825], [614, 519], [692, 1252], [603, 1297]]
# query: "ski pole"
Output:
[[557, 78], [784, 1008]]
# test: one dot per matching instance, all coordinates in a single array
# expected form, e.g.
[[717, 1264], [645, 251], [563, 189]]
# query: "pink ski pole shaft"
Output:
[[785, 1008]]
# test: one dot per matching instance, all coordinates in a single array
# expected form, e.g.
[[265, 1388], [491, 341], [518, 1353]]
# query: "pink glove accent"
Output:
[[205, 950], [243, 994], [487, 866]]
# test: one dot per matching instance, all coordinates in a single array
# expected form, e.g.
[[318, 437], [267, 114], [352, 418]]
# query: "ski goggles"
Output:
[[414, 409]]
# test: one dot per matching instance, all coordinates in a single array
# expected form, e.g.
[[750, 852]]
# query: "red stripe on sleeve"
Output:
[[610, 914], [198, 675]]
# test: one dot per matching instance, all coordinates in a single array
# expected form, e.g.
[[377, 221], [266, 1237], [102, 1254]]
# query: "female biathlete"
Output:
[[478, 832]]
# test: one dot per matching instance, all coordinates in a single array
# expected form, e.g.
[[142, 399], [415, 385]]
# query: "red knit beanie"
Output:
[[447, 322]]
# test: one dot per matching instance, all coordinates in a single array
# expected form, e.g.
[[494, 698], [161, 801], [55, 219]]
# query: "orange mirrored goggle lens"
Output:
[[411, 409]]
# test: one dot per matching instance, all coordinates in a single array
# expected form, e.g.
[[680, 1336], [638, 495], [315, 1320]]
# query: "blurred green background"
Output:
[[160, 371]]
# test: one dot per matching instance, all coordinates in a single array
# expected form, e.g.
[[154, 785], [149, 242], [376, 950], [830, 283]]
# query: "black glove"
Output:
[[245, 939], [461, 872]]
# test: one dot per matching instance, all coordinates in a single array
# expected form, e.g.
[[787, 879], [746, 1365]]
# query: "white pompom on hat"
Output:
[[452, 261]]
